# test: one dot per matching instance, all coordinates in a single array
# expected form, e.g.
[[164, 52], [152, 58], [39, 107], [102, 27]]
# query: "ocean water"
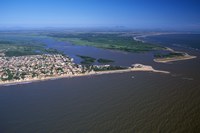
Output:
[[113, 103]]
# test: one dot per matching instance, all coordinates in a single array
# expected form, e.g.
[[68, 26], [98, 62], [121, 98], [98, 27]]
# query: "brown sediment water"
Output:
[[149, 102], [103, 103]]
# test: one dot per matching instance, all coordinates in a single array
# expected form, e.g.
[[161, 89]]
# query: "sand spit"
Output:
[[177, 58], [166, 60]]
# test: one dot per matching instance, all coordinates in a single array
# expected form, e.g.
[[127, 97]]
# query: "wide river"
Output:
[[113, 103]]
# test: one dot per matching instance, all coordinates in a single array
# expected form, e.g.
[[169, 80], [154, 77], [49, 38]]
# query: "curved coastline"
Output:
[[139, 67], [136, 67], [136, 38], [173, 59], [186, 56]]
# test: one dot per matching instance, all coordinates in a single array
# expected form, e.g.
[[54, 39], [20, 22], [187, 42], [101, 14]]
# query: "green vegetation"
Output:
[[18, 53], [20, 48], [107, 68], [60, 70], [23, 74], [104, 61], [34, 74], [169, 55], [10, 75], [52, 51], [86, 59], [116, 41]]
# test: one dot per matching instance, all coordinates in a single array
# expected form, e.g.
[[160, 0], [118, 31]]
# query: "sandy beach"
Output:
[[136, 67], [166, 60], [172, 59]]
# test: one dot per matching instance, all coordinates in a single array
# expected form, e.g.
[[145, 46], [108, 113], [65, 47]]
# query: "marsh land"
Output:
[[25, 56], [114, 96]]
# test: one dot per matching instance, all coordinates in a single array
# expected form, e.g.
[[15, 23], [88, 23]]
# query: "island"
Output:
[[87, 60], [128, 42]]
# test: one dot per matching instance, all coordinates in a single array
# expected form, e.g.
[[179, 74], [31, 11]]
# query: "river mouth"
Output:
[[125, 102], [119, 57]]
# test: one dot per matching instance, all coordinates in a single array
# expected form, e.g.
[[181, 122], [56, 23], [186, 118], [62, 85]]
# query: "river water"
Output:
[[149, 102]]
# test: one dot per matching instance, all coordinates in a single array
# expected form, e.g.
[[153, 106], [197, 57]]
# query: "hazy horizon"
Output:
[[133, 14]]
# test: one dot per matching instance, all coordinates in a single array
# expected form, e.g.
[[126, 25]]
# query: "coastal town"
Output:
[[48, 66], [37, 67]]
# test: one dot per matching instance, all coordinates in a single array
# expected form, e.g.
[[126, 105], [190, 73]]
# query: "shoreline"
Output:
[[142, 68], [166, 60], [173, 59], [136, 38]]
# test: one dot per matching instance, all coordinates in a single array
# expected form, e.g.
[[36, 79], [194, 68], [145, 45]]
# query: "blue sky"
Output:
[[172, 14]]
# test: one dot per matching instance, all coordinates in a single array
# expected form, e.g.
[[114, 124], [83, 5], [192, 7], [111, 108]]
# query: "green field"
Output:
[[116, 41], [13, 44], [21, 48]]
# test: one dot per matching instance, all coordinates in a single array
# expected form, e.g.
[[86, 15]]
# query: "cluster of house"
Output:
[[37, 66]]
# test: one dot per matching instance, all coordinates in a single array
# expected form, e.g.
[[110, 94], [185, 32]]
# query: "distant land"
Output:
[[24, 57]]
